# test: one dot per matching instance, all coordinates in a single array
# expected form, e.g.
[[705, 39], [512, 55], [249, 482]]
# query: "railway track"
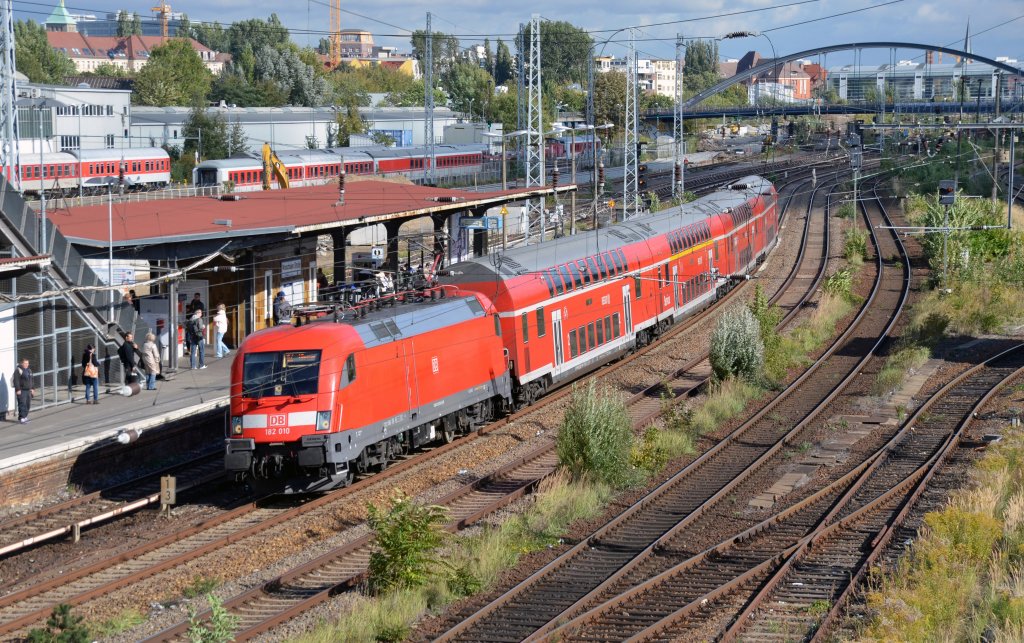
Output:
[[265, 607], [788, 577], [675, 508], [76, 587], [72, 516]]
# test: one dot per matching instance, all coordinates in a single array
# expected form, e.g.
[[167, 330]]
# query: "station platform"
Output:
[[61, 432]]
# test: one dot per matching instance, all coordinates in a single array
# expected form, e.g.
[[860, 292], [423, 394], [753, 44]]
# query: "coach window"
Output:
[[564, 271], [541, 328], [550, 284], [615, 325], [556, 280], [593, 268], [606, 270], [526, 328], [582, 265], [577, 281], [716, 251], [600, 333], [573, 350], [608, 328], [590, 336], [637, 285]]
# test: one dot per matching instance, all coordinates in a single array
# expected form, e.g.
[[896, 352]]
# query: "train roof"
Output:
[[539, 257], [388, 324], [128, 154], [230, 164]]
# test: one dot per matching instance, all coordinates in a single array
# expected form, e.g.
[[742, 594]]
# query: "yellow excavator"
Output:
[[273, 164]]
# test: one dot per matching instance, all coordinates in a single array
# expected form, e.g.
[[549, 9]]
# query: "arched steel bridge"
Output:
[[689, 107]]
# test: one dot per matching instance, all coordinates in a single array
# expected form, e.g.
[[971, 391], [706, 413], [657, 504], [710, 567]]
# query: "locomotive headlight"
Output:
[[323, 421], [236, 425]]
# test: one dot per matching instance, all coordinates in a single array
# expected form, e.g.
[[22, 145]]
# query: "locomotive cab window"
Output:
[[497, 326], [348, 375], [281, 373]]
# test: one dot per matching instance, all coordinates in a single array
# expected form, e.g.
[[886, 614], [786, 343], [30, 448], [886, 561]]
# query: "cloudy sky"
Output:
[[792, 26]]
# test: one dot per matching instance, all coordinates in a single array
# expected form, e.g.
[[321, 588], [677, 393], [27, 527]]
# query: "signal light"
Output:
[[641, 175], [947, 192]]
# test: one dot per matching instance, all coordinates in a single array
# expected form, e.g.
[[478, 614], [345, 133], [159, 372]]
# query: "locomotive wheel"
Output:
[[448, 430]]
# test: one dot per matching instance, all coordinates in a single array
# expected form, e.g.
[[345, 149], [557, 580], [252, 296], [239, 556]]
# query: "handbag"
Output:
[[91, 371]]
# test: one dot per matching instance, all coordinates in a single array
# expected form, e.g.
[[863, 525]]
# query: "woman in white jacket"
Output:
[[220, 327]]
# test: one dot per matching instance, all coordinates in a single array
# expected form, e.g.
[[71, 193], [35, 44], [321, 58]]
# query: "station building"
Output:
[[236, 250]]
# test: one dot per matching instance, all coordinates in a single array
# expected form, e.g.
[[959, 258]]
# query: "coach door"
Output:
[[627, 311], [556, 332], [675, 283]]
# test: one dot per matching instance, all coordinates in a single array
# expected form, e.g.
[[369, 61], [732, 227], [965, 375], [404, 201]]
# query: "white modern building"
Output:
[[72, 118], [286, 127], [913, 80]]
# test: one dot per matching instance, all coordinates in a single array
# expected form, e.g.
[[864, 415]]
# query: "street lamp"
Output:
[[504, 173]]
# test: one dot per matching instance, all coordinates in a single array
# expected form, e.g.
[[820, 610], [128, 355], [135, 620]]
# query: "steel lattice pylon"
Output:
[[535, 121], [678, 132], [630, 196], [9, 161], [428, 103]]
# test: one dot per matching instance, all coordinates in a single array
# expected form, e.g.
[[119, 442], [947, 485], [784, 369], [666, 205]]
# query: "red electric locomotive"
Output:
[[311, 405], [569, 305]]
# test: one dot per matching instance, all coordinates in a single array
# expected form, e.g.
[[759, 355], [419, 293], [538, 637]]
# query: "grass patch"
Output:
[[897, 366], [964, 576], [560, 501], [725, 400], [971, 308], [855, 245], [596, 437], [122, 622], [794, 347], [200, 586]]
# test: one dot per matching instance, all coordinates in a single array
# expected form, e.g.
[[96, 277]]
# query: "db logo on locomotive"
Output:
[[278, 420]]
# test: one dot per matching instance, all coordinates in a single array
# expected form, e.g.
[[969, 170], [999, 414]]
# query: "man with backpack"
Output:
[[195, 333]]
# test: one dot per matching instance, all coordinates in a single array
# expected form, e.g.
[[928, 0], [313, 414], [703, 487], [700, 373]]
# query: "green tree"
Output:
[[610, 99], [470, 88], [503, 64], [406, 537], [564, 51], [61, 627], [445, 50], [234, 89], [504, 111], [174, 75], [210, 130], [701, 65], [382, 138], [212, 35], [655, 101], [36, 58], [109, 70], [297, 80], [124, 24], [238, 142], [488, 57], [349, 123], [249, 36], [184, 29]]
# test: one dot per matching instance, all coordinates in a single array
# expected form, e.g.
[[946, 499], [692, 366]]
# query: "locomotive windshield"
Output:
[[280, 373]]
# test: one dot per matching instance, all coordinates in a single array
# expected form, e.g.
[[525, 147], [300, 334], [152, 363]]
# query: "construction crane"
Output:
[[335, 34], [272, 166], [164, 11]]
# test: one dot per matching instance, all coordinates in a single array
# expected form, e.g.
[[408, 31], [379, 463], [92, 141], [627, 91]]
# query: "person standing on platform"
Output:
[[127, 354], [91, 374], [196, 332], [23, 390], [195, 304], [220, 329], [282, 310], [151, 361]]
